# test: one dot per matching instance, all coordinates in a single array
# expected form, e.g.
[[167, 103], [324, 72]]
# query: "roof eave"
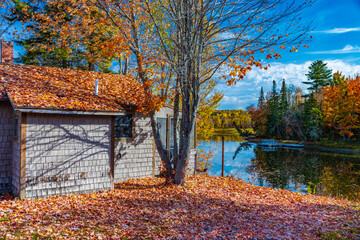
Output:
[[71, 112]]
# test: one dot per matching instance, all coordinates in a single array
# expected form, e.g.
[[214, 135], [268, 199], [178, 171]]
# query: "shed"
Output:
[[58, 137]]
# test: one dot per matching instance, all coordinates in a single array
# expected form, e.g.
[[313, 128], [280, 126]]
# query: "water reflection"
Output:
[[304, 171], [218, 138]]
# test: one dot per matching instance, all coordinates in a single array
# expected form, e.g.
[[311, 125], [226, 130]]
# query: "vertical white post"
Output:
[[96, 87]]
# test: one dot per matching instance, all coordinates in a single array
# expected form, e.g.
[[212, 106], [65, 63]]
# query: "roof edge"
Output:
[[67, 112]]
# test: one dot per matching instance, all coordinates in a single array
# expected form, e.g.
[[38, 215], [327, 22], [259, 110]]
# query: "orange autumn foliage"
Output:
[[2, 92], [67, 89], [341, 106], [208, 208]]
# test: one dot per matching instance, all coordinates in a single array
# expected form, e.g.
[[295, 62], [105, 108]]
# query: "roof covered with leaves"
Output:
[[67, 89]]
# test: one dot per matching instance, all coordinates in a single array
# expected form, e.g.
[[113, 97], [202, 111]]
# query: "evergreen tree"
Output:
[[259, 115], [273, 117], [312, 119], [338, 79], [283, 108], [61, 55], [261, 101], [319, 75], [284, 104]]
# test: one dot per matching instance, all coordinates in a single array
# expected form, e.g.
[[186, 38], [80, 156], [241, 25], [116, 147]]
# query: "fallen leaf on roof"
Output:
[[68, 89]]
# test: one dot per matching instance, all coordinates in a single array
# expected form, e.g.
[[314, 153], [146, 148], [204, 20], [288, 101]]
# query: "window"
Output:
[[171, 132], [162, 128], [171, 141], [124, 126]]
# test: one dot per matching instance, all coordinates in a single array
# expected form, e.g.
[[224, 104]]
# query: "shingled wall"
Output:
[[67, 154], [6, 141], [134, 157]]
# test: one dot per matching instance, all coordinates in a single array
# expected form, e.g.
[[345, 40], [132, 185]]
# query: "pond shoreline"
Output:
[[334, 150], [310, 169], [311, 146]]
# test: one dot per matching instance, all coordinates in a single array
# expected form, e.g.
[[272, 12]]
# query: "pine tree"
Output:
[[283, 108], [319, 75], [338, 79], [312, 119], [284, 104], [61, 55], [261, 101], [273, 117]]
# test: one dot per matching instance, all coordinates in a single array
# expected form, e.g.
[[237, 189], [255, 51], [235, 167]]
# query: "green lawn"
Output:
[[337, 144], [329, 144], [225, 131]]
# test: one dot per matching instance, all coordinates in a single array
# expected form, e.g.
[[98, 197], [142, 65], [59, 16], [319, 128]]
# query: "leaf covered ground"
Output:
[[207, 208]]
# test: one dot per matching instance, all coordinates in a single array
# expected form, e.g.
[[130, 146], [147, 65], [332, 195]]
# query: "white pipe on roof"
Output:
[[96, 87]]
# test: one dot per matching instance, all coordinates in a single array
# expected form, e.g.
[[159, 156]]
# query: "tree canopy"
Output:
[[319, 75]]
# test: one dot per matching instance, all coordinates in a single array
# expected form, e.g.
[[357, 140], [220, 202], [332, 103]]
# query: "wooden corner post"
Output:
[[112, 152], [153, 158], [22, 175]]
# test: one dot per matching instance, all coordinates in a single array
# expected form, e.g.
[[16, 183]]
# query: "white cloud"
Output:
[[347, 49], [339, 30], [237, 102], [247, 92], [346, 68]]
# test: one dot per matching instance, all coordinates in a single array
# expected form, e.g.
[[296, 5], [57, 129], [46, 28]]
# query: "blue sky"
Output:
[[336, 40]]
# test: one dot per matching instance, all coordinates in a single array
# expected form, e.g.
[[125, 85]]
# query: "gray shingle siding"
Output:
[[15, 177], [134, 158], [67, 154], [6, 142]]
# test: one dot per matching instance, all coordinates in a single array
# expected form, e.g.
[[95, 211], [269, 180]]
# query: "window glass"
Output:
[[192, 134], [171, 132], [161, 122], [124, 126]]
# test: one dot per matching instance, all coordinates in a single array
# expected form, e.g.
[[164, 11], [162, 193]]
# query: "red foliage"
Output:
[[341, 106], [208, 208]]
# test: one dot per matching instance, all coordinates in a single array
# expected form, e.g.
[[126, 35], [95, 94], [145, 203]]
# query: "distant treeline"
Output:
[[329, 109], [227, 118]]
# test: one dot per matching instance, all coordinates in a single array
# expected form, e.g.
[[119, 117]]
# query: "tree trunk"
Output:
[[175, 123], [163, 153]]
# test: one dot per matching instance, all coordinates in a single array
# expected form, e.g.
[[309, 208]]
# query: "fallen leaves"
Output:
[[68, 89], [207, 208], [2, 92]]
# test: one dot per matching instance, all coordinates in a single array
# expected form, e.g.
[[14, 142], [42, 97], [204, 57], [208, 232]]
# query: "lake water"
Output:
[[320, 173]]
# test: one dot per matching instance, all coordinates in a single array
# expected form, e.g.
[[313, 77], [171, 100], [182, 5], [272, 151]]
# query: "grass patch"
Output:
[[355, 145], [230, 131], [337, 144], [225, 131]]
